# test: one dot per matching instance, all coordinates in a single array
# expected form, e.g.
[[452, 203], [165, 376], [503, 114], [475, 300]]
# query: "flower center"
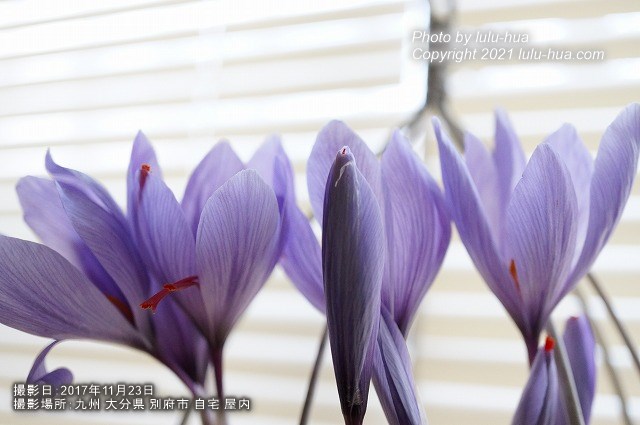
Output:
[[167, 288]]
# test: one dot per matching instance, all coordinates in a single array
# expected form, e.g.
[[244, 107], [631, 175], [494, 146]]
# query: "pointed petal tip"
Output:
[[435, 121], [140, 135], [49, 163]]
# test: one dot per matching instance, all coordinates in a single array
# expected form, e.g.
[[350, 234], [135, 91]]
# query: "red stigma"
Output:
[[514, 274], [145, 169], [549, 343], [343, 151], [167, 288]]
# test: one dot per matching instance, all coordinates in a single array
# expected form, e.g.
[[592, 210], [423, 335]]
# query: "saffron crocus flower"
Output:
[[543, 400], [217, 249], [416, 233], [352, 263], [89, 279], [534, 230]]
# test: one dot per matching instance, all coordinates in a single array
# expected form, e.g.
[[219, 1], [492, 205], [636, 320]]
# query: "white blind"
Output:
[[83, 77]]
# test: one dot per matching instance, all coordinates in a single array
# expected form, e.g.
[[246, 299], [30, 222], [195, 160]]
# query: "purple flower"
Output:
[[215, 250], [89, 279], [539, 402], [542, 401], [534, 230], [415, 234], [581, 345], [352, 263]]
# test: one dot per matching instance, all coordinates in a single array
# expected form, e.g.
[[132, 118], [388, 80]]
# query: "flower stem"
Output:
[[606, 357], [614, 317], [313, 380], [216, 358], [205, 417], [566, 378], [185, 417]]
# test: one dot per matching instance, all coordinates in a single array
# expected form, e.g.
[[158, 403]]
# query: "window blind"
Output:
[[82, 77]]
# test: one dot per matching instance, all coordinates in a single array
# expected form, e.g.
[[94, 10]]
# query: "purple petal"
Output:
[[43, 294], [180, 346], [541, 232], [352, 262], [46, 216], [330, 140], [393, 377], [301, 255], [39, 374], [218, 166], [469, 216], [110, 240], [484, 173], [273, 165], [302, 258], [164, 233], [263, 160], [572, 151], [141, 153], [539, 402], [417, 226], [580, 345], [86, 185], [510, 162], [236, 249], [167, 242], [613, 175]]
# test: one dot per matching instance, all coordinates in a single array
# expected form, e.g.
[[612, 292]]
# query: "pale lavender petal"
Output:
[[580, 345], [484, 173], [167, 242], [164, 233], [393, 376], [301, 255], [352, 261], [236, 249], [111, 242], [273, 165], [43, 294], [330, 140], [613, 175], [539, 401], [46, 216], [40, 375], [510, 162], [90, 188], [417, 228], [141, 153], [218, 166], [263, 160], [302, 258], [541, 232], [572, 151], [468, 214]]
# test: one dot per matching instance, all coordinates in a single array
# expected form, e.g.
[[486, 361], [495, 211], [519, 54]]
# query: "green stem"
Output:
[[614, 317], [566, 378], [306, 410]]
